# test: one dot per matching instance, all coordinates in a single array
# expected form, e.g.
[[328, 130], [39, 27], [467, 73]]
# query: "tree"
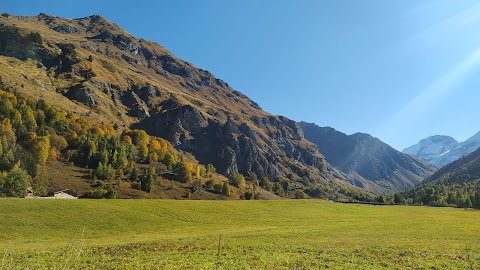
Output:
[[398, 198], [209, 184], [39, 183], [41, 147], [226, 189], [236, 179], [148, 179], [133, 176], [184, 172], [14, 183], [142, 152], [104, 172], [196, 171], [278, 189], [127, 139], [139, 137], [210, 169], [169, 160]]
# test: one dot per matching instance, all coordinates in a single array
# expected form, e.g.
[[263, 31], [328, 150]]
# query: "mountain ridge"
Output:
[[94, 68], [366, 160], [440, 150]]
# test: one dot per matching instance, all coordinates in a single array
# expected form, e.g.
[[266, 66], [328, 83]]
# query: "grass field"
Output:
[[288, 234]]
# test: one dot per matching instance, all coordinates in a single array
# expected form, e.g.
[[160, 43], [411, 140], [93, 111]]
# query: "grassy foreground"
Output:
[[288, 234]]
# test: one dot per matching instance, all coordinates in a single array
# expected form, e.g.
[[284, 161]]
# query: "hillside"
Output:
[[442, 150], [367, 162], [455, 184], [90, 67]]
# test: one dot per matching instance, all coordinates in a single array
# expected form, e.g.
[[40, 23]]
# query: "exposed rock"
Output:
[[137, 106], [65, 29], [83, 94], [148, 93]]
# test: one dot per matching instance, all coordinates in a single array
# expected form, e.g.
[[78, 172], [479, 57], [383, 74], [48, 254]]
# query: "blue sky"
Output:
[[400, 70]]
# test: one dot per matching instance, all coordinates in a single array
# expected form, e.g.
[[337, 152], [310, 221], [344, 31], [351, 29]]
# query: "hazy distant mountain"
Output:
[[442, 150], [367, 161]]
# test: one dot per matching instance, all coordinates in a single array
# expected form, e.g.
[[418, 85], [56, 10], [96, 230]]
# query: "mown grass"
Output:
[[288, 234]]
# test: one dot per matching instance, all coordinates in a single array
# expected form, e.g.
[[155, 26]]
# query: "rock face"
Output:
[[442, 150], [236, 146], [367, 161], [139, 84]]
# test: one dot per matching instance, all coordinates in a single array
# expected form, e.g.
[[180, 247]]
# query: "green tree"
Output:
[[210, 169], [41, 147], [169, 160], [278, 189], [39, 183], [184, 172], [133, 176], [104, 172], [14, 183], [148, 180], [225, 188], [236, 179]]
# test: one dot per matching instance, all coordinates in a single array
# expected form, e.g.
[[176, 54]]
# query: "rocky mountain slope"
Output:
[[442, 150], [367, 161], [93, 68]]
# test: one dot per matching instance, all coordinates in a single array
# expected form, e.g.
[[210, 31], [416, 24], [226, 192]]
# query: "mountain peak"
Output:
[[439, 138], [440, 150]]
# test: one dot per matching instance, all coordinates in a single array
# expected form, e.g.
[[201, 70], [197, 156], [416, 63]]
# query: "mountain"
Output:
[[455, 184], [93, 68], [367, 161], [442, 150]]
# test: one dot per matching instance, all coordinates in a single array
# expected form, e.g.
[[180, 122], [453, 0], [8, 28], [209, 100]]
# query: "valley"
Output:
[[173, 168]]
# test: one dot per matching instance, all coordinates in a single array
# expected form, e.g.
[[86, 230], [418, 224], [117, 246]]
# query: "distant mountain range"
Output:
[[442, 150], [367, 162]]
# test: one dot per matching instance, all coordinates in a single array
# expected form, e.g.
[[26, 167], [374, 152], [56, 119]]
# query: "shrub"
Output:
[[236, 179], [248, 195]]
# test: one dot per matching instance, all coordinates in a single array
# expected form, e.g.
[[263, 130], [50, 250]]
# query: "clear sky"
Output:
[[400, 70]]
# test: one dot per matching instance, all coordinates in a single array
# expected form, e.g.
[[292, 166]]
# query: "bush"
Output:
[[300, 195], [248, 195], [94, 193], [217, 188], [236, 179]]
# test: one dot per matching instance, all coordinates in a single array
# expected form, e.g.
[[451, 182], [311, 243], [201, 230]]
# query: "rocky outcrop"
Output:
[[270, 148], [83, 94]]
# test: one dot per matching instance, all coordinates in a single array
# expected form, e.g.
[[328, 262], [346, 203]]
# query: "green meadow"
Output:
[[284, 234]]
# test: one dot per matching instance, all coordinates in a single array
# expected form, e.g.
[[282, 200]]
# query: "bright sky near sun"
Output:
[[400, 70]]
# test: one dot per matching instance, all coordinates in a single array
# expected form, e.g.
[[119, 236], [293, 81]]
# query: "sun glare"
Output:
[[432, 96]]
